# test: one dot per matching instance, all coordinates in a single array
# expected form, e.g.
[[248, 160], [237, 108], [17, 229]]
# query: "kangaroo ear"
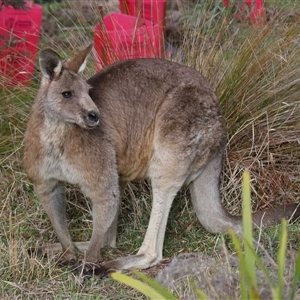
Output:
[[78, 62], [50, 63]]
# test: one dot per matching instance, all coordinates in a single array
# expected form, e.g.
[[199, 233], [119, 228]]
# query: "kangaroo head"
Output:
[[65, 94]]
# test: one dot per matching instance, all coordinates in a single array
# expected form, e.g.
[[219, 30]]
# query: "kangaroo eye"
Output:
[[67, 94]]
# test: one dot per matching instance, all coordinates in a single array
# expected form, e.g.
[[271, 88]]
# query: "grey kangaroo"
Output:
[[136, 119]]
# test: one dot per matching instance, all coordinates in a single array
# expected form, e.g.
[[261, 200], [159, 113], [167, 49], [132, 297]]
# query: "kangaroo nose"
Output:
[[93, 116]]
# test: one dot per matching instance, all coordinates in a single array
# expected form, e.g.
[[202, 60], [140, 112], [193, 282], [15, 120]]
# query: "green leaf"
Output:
[[201, 295], [247, 230], [156, 286], [296, 276], [137, 285], [243, 268], [261, 265], [281, 258]]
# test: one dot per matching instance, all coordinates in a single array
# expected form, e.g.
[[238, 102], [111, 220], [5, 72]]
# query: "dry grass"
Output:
[[255, 72], [256, 76]]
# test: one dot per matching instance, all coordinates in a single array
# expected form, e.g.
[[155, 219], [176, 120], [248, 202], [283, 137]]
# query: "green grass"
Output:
[[255, 73], [282, 4], [249, 260]]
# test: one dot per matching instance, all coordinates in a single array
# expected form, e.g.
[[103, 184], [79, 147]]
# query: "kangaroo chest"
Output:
[[54, 163]]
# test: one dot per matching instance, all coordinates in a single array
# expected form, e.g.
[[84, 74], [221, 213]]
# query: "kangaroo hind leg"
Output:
[[165, 182]]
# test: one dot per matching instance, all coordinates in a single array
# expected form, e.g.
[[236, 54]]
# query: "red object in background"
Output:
[[121, 36], [256, 11], [151, 10], [19, 36]]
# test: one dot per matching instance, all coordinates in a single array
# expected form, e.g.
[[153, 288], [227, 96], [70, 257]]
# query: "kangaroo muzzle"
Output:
[[92, 118]]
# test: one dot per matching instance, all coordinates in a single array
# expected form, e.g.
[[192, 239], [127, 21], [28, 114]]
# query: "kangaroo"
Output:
[[136, 119]]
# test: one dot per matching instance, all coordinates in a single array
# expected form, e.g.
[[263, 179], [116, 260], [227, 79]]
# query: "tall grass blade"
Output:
[[281, 259], [138, 285], [243, 266], [156, 286], [247, 230], [296, 277], [261, 264], [200, 294]]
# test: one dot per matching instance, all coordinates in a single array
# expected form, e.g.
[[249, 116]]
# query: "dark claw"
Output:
[[96, 271], [102, 272], [90, 270], [65, 263]]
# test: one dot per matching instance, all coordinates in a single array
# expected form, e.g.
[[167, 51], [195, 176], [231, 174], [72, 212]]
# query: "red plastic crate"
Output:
[[151, 10], [120, 37], [19, 36], [256, 11]]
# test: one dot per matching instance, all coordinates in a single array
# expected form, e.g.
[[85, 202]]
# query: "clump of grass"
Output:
[[260, 97], [255, 72], [269, 283]]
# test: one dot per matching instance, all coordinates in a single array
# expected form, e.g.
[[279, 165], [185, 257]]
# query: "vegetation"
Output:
[[249, 260], [255, 72]]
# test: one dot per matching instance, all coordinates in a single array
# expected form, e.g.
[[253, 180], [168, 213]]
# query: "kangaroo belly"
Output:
[[132, 167], [133, 158]]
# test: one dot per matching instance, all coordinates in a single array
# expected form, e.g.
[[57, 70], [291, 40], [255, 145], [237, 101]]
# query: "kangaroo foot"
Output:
[[90, 270]]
